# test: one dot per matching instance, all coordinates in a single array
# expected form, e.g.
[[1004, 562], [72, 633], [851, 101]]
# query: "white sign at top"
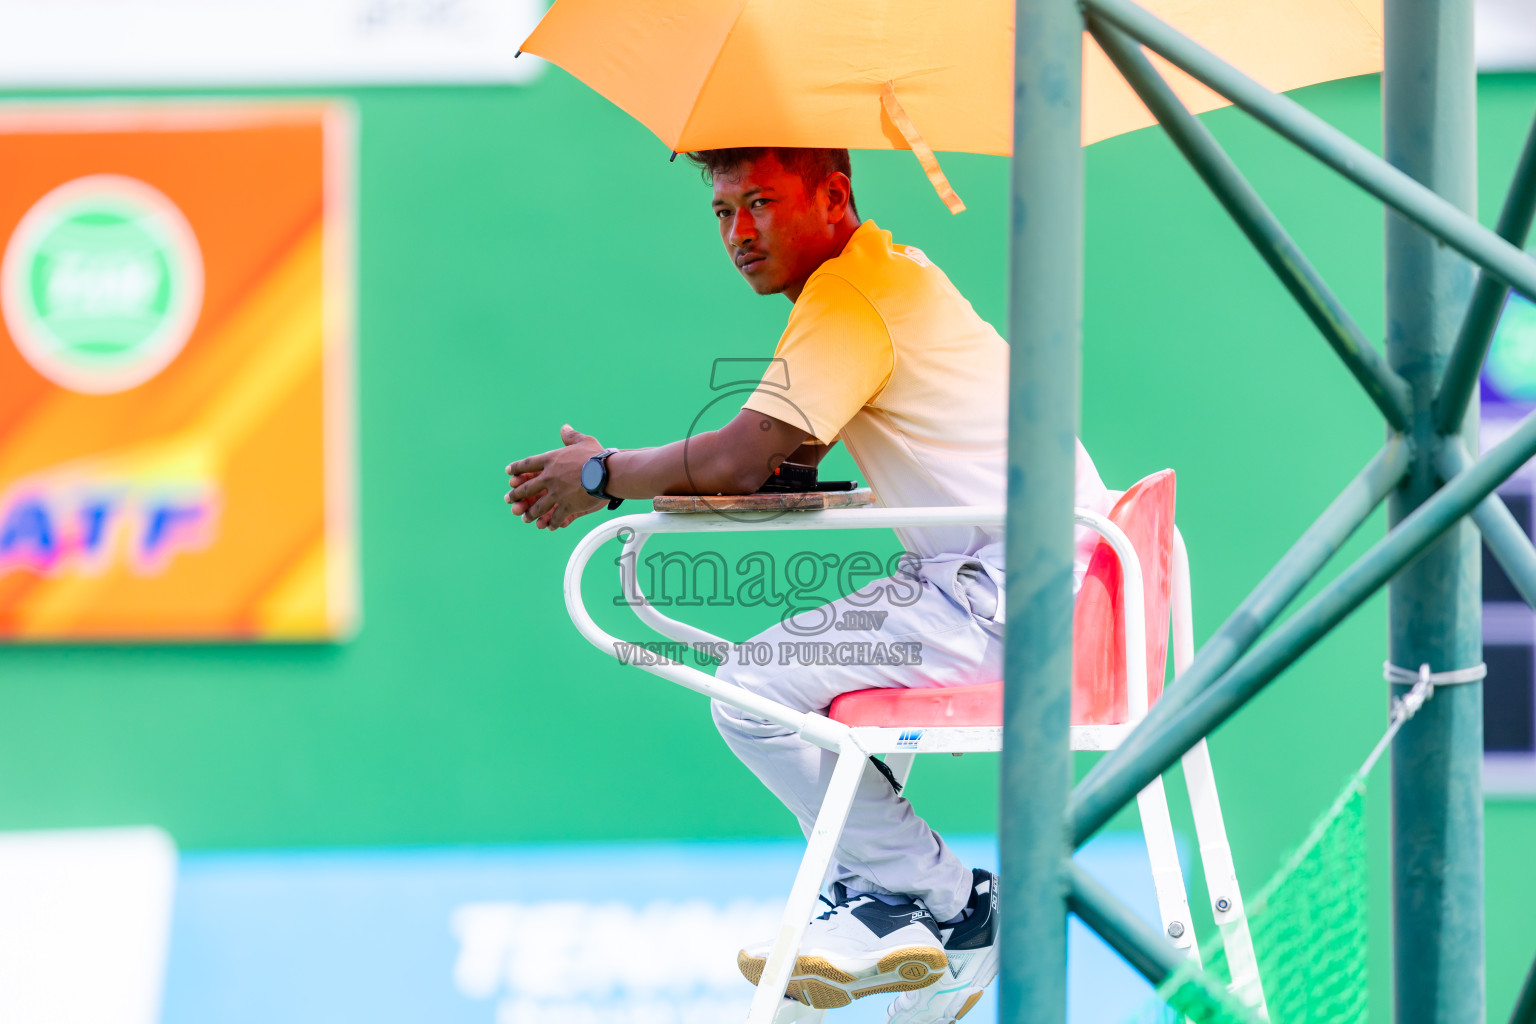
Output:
[[198, 43], [1506, 35]]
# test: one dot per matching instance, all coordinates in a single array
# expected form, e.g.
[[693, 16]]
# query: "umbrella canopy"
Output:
[[905, 74]]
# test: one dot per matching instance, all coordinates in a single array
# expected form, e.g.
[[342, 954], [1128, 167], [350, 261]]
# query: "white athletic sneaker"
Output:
[[860, 947], [971, 947]]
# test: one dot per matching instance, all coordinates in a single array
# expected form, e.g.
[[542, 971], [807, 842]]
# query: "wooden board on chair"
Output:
[[795, 500]]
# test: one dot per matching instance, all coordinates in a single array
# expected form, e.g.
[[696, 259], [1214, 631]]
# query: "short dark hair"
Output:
[[812, 165]]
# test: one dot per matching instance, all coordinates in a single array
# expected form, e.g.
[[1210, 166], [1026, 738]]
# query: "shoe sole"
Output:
[[981, 984], [969, 1003], [821, 985], [972, 991]]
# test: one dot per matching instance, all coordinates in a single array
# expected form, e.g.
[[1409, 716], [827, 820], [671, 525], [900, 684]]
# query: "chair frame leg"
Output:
[[1221, 879], [1210, 828], [821, 846], [1167, 873]]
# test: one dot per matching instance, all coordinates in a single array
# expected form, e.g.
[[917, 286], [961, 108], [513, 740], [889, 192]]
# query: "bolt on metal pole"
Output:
[[1044, 330], [1434, 607]]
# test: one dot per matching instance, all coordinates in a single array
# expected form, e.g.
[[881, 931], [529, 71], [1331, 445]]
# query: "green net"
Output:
[[1309, 933]]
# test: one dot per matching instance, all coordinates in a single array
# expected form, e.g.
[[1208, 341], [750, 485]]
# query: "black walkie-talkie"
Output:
[[793, 478]]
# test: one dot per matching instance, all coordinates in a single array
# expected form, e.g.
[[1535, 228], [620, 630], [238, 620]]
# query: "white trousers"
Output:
[[947, 612]]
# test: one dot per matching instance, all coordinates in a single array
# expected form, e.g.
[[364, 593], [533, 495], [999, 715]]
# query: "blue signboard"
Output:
[[577, 934]]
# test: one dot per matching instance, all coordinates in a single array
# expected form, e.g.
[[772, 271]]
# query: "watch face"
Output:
[[592, 475]]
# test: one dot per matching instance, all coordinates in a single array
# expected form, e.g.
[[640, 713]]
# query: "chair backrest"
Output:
[[1145, 514]]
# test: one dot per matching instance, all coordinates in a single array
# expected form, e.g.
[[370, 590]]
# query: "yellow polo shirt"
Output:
[[884, 354]]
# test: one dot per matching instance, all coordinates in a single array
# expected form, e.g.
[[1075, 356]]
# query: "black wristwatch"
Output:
[[594, 477]]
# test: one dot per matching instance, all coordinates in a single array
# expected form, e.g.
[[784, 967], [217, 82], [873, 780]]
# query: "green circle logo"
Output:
[[101, 284], [1511, 366]]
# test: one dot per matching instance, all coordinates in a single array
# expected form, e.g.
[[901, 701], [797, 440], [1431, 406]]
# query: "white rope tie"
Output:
[[1405, 707], [1395, 674]]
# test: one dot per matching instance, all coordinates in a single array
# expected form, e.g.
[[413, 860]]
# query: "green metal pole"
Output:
[[1434, 607], [1044, 329]]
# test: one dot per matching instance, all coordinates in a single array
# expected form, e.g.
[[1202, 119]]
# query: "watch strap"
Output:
[[602, 492]]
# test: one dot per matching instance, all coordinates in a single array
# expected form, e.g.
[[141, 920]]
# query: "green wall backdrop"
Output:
[[528, 256]]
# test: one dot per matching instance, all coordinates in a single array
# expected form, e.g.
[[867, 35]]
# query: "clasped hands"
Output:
[[546, 489]]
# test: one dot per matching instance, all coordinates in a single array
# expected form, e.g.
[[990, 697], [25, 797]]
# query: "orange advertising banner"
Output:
[[176, 372]]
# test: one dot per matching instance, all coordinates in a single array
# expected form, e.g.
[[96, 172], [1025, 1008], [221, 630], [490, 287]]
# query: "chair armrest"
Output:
[[816, 728]]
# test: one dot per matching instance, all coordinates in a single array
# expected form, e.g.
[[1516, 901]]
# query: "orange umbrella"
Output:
[[922, 75]]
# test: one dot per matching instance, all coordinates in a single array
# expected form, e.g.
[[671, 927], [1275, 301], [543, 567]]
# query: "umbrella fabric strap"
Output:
[[903, 122]]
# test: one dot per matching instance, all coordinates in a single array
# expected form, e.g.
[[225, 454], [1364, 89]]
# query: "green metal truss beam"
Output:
[[1325, 142], [1482, 317], [1146, 754], [1259, 610], [1423, 388], [1385, 388], [1507, 540], [1144, 948]]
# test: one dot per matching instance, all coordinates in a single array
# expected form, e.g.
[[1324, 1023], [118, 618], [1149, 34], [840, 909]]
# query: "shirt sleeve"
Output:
[[834, 357]]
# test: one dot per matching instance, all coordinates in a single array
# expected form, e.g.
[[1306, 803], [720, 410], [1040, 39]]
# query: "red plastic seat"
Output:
[[1145, 514]]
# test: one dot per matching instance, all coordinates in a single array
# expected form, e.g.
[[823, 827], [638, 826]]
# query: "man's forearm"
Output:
[[698, 465], [810, 454], [736, 459]]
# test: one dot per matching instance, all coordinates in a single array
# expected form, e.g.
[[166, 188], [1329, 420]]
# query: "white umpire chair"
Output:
[[1121, 626]]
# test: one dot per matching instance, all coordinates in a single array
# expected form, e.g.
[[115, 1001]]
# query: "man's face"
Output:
[[775, 232]]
